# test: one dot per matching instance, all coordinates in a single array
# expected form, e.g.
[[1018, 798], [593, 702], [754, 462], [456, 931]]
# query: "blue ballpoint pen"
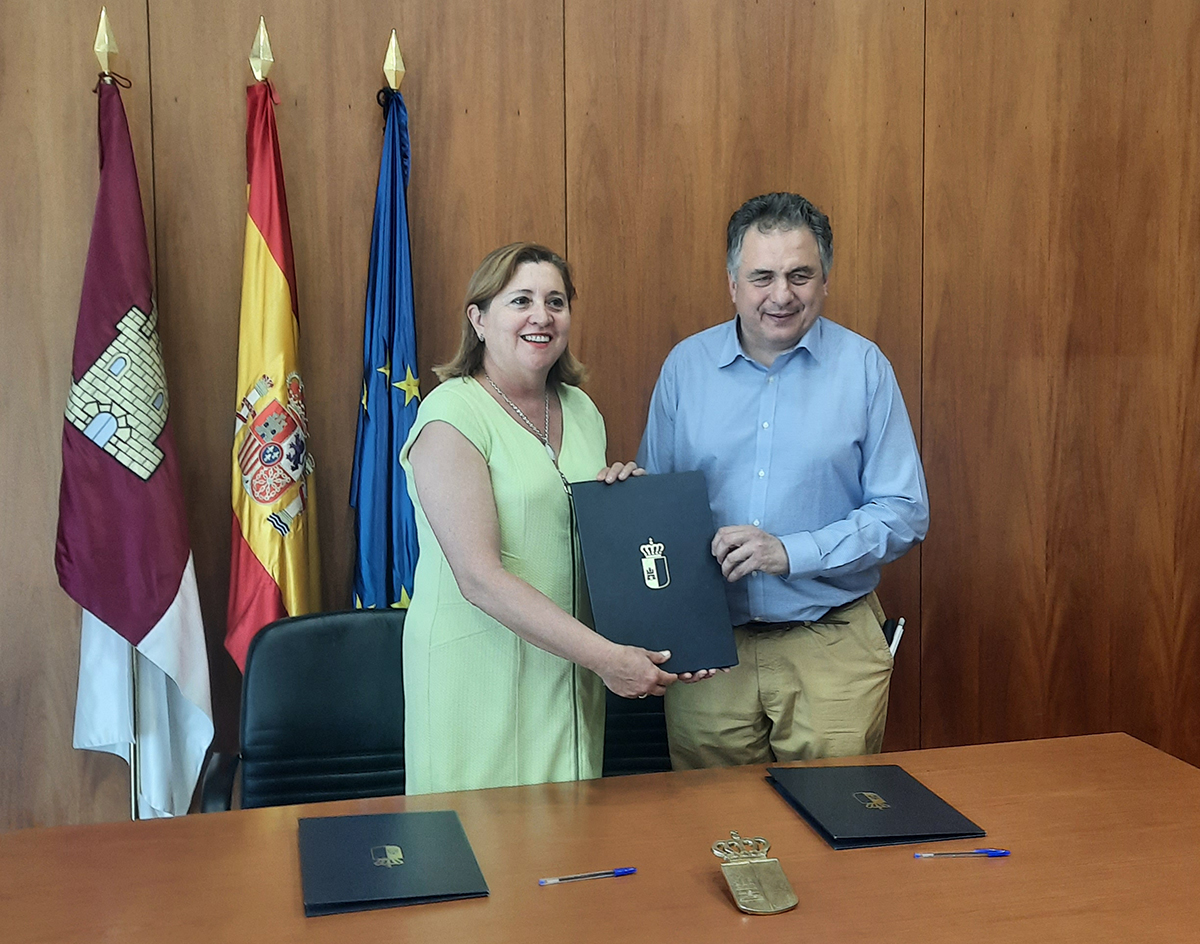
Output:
[[967, 854], [607, 873]]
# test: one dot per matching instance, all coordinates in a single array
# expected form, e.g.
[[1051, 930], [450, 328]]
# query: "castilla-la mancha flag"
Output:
[[273, 568], [122, 552]]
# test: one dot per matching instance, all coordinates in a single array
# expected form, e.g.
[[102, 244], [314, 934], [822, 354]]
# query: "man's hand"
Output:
[[619, 472], [742, 549]]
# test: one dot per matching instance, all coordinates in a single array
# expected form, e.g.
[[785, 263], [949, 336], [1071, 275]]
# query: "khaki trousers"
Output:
[[799, 691]]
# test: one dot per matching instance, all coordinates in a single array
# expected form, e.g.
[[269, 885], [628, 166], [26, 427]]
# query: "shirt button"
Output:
[[756, 522], [766, 425], [770, 380], [761, 473]]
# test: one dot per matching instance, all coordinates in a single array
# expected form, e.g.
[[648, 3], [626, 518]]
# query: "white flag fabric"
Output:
[[173, 721]]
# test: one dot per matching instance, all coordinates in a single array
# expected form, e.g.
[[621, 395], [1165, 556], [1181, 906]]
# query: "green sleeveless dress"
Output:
[[483, 707]]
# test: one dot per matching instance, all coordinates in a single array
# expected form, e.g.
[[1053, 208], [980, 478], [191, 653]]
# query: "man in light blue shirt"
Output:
[[815, 482]]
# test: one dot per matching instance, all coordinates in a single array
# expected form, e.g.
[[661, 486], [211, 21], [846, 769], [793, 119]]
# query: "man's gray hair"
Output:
[[771, 211]]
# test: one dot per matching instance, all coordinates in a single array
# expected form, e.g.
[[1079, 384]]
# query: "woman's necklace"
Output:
[[543, 436]]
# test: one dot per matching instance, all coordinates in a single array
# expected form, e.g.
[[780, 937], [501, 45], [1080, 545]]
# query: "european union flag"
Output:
[[383, 514]]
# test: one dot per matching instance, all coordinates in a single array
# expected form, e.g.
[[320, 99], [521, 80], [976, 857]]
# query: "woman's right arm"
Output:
[[455, 489]]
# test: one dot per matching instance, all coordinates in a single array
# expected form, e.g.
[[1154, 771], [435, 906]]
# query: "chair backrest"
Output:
[[323, 709], [635, 736]]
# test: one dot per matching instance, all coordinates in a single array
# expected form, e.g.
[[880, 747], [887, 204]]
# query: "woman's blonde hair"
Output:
[[495, 272]]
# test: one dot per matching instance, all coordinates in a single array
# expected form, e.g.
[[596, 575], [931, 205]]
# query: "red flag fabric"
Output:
[[122, 552]]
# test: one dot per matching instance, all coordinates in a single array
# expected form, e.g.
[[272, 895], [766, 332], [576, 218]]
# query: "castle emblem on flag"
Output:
[[273, 455], [120, 403], [654, 566]]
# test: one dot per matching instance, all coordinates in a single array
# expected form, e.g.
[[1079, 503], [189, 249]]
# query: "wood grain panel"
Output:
[[1156, 221], [50, 158], [484, 91], [1060, 369], [1056, 373], [1180, 730], [677, 112]]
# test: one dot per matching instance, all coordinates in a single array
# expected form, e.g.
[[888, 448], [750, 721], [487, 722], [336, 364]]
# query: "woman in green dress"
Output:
[[503, 684]]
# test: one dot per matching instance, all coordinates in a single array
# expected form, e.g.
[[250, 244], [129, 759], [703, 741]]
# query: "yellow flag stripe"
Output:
[[268, 342]]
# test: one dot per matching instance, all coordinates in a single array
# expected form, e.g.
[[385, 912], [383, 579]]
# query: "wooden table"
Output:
[[1104, 833]]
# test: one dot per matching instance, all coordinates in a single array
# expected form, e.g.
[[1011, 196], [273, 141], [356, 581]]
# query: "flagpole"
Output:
[[393, 64], [274, 564], [134, 758], [106, 43], [104, 47], [384, 519], [261, 58]]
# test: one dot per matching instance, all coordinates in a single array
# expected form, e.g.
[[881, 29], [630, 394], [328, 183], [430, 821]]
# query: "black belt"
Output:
[[828, 617]]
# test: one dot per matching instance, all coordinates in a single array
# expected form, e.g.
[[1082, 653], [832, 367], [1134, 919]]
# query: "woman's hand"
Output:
[[619, 472], [699, 675], [632, 672]]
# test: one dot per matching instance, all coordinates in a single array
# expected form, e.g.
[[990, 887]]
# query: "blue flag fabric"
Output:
[[384, 524]]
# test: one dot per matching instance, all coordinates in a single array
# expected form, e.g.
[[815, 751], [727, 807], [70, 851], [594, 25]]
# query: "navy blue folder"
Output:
[[381, 860], [651, 576], [870, 805]]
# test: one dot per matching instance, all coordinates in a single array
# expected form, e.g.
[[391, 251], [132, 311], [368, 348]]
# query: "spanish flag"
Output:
[[274, 562]]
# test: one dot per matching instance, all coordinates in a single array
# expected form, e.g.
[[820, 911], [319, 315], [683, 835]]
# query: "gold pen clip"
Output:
[[757, 883]]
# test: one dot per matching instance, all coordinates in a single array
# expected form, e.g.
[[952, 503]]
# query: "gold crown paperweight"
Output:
[[757, 883]]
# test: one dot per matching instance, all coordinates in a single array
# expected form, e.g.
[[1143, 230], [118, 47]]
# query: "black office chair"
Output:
[[322, 713], [635, 736]]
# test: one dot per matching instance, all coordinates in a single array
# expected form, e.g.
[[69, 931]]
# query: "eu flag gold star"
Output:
[[410, 385], [386, 369]]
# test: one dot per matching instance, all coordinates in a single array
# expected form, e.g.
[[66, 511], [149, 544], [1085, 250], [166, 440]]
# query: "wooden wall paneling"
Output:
[[50, 159], [200, 56], [679, 111], [1182, 737], [1059, 372], [1053, 394], [1147, 65], [484, 92], [485, 98], [986, 393]]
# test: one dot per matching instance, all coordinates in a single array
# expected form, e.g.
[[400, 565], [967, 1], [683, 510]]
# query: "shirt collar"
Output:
[[731, 347]]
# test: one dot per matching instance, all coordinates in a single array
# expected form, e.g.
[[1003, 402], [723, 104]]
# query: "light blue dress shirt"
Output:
[[817, 450]]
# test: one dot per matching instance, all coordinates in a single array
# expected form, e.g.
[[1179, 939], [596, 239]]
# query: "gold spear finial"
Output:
[[106, 44], [261, 59], [393, 64]]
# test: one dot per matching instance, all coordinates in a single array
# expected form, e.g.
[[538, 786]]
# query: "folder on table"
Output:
[[381, 860], [651, 575], [871, 805]]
